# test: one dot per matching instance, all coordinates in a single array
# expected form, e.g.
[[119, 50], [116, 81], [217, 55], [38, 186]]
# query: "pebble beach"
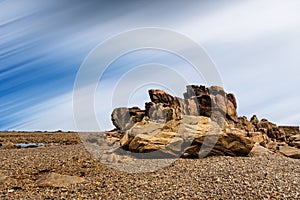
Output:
[[21, 169]]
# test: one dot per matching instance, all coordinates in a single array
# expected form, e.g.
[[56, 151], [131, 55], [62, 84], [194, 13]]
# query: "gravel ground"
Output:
[[267, 177]]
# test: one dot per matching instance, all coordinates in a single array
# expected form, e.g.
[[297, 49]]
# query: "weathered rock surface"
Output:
[[124, 118], [175, 138], [211, 102], [259, 150], [58, 180], [206, 117], [271, 130], [291, 152], [290, 130], [295, 137]]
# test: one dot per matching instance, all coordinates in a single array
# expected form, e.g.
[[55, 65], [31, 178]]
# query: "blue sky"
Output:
[[254, 45]]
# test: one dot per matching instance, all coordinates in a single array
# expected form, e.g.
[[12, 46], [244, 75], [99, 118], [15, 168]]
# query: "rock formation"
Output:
[[204, 120], [211, 102]]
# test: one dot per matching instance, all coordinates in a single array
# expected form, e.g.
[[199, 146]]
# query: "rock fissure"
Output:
[[206, 118]]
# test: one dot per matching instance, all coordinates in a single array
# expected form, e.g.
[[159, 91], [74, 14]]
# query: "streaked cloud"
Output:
[[254, 44]]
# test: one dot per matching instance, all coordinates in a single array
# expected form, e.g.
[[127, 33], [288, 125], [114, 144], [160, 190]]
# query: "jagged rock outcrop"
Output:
[[291, 152], [186, 137], [290, 131], [179, 126], [124, 118], [271, 130], [211, 102]]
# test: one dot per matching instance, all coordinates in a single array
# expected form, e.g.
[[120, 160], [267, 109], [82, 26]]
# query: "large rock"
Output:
[[294, 141], [58, 180], [160, 96], [124, 118], [259, 150], [195, 90], [173, 125], [244, 124], [271, 130], [228, 143], [290, 130], [176, 137], [257, 137], [161, 113], [254, 121], [211, 102], [149, 128], [290, 152], [295, 138]]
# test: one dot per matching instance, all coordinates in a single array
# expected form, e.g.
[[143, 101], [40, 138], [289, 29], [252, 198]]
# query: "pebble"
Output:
[[265, 177]]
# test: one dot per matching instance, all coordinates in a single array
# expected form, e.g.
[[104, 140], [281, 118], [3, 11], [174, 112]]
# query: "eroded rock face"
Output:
[[291, 152], [290, 130], [187, 137], [174, 126], [271, 130], [211, 102], [259, 150], [124, 118]]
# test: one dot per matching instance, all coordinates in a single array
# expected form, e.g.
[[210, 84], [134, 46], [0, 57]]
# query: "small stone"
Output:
[[58, 180]]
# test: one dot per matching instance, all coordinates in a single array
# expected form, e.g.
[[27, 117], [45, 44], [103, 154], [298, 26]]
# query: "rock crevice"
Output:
[[206, 115]]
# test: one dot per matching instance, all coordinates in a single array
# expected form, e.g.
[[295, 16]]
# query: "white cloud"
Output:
[[245, 20], [238, 37]]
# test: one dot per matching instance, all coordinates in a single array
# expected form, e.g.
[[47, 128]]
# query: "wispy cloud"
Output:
[[42, 44]]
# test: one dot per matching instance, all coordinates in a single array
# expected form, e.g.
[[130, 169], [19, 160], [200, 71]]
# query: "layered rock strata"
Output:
[[204, 122]]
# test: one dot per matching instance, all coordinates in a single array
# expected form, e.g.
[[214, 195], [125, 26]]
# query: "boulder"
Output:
[[259, 150], [160, 96], [199, 131], [244, 124], [205, 105], [228, 142], [271, 130], [290, 130], [254, 120], [295, 138], [206, 117], [211, 102], [165, 141], [124, 118], [272, 145], [232, 99], [195, 90], [160, 112], [291, 152], [58, 180], [256, 137], [150, 128], [191, 107]]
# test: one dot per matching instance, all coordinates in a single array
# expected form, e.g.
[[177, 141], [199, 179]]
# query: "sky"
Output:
[[254, 45]]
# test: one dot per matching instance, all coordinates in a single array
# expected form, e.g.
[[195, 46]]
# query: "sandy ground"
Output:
[[267, 177]]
